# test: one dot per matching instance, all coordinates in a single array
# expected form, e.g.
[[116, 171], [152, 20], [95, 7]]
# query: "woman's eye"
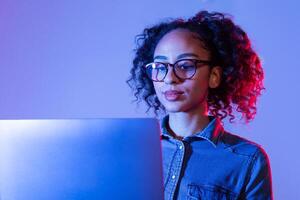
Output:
[[186, 67], [160, 68]]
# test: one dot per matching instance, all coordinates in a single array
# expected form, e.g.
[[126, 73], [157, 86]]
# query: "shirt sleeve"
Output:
[[259, 184]]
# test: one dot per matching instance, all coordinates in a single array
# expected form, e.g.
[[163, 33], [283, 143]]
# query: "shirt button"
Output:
[[173, 177], [180, 147]]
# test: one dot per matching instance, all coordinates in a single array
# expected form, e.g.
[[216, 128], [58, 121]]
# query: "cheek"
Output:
[[198, 90], [157, 88]]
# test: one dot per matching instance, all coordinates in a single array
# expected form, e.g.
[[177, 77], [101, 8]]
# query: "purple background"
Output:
[[61, 59]]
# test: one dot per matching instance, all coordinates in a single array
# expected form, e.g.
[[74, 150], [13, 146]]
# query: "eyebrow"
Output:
[[178, 57], [187, 55], [161, 57]]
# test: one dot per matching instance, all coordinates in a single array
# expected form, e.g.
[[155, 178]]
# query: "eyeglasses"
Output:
[[183, 69]]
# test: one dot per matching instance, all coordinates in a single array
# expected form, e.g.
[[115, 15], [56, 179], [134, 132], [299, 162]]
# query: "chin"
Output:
[[174, 108]]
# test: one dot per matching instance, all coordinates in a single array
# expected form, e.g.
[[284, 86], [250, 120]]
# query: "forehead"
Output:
[[180, 41]]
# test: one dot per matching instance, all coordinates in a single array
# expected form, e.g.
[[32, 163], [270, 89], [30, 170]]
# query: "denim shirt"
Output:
[[214, 164]]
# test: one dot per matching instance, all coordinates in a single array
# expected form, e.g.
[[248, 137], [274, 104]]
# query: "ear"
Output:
[[215, 77]]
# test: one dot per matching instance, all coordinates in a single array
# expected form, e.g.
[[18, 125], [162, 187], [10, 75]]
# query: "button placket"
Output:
[[177, 167]]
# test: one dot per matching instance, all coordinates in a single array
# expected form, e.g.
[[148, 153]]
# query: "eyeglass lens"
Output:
[[184, 69]]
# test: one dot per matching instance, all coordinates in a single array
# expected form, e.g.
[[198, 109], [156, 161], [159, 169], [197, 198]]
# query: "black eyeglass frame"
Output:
[[196, 62]]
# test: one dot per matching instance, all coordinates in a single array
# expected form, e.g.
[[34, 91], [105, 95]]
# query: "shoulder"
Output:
[[258, 182], [243, 146]]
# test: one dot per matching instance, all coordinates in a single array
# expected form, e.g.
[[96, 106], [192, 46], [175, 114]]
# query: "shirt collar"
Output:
[[211, 132]]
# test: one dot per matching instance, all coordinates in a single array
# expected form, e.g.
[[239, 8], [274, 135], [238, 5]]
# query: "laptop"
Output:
[[77, 159]]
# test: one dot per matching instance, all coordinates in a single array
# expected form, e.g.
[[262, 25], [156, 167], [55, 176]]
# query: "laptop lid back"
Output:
[[80, 159]]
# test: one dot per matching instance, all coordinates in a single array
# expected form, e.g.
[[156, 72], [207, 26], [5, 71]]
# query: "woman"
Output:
[[197, 71]]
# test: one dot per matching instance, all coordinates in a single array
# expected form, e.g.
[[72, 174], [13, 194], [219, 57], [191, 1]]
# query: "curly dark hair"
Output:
[[229, 47]]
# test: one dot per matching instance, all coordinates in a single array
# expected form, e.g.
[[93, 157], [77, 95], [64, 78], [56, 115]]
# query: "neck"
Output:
[[183, 124]]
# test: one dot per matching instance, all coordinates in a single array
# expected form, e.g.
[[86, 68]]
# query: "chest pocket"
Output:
[[209, 192]]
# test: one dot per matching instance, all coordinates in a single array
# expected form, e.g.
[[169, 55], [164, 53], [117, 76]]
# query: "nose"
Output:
[[170, 77]]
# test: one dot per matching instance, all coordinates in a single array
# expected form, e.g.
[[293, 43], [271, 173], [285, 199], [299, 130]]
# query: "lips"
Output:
[[172, 95]]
